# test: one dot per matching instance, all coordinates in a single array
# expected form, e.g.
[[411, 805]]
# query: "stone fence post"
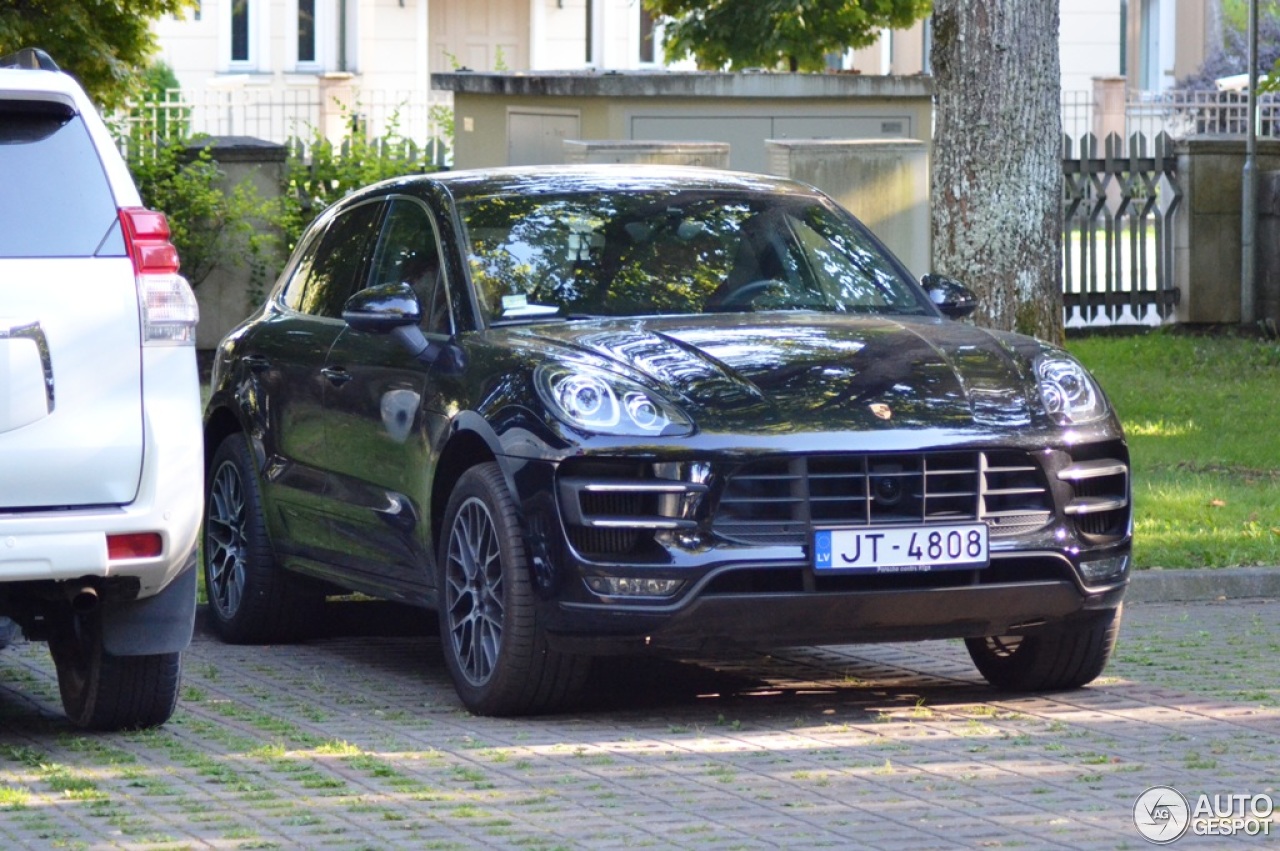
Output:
[[230, 293], [1207, 230], [1268, 247]]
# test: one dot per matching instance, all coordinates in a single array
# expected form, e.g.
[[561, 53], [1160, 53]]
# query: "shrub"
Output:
[[320, 172]]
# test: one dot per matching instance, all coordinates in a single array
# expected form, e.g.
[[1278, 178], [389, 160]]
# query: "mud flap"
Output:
[[163, 623]]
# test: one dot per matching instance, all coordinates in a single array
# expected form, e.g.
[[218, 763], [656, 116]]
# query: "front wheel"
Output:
[[101, 691], [494, 647], [1052, 659]]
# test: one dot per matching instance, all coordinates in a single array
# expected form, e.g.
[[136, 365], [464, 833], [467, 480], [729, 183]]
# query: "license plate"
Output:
[[901, 549]]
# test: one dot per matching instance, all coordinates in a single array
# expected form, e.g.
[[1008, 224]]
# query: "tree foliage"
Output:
[[105, 44], [320, 172], [213, 225], [741, 34]]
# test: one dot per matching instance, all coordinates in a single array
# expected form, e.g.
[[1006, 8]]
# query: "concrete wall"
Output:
[[1268, 243], [740, 109], [228, 294], [1207, 229], [883, 183], [705, 154], [1089, 42]]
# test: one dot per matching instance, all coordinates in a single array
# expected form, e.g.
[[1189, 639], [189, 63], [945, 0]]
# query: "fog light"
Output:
[[633, 587], [1105, 569]]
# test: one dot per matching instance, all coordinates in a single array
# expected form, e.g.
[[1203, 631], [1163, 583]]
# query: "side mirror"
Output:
[[382, 309], [394, 309], [953, 298]]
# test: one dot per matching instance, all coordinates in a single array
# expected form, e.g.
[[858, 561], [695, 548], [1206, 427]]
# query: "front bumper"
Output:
[[780, 620], [733, 591]]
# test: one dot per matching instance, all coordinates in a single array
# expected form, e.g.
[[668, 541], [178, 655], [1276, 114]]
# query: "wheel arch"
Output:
[[471, 442], [220, 424]]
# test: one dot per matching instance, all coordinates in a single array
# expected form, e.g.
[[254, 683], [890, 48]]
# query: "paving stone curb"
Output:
[[1177, 586]]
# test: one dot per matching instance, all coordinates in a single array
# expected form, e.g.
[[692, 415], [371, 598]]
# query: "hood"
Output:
[[750, 372]]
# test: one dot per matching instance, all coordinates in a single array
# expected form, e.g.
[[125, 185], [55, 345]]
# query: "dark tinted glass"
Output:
[[306, 30], [340, 264], [56, 199], [640, 253], [240, 30], [408, 253]]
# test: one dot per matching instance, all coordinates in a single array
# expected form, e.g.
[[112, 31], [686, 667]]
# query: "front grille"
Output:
[[778, 500]]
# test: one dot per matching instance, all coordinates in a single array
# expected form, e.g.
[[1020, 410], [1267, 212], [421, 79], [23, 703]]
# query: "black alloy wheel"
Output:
[[494, 647]]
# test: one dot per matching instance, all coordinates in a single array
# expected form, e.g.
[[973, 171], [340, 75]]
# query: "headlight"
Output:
[[604, 403], [1069, 394]]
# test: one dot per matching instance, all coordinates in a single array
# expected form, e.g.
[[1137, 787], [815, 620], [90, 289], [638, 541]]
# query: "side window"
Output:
[[340, 263], [409, 252], [297, 285]]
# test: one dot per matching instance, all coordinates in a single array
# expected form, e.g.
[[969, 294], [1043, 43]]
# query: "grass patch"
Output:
[[1200, 416]]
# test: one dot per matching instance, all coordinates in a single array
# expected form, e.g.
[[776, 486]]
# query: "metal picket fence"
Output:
[[1119, 205]]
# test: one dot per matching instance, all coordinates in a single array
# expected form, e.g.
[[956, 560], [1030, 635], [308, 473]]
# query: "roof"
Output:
[[555, 179]]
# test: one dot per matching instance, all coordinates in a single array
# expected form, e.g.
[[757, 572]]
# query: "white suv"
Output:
[[100, 442]]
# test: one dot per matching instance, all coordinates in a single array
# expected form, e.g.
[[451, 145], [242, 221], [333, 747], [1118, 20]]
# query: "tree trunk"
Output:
[[997, 167]]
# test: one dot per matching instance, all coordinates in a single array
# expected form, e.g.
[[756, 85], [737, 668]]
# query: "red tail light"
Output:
[[169, 310], [138, 545], [146, 233]]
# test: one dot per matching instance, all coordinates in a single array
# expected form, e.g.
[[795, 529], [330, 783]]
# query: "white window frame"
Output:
[[317, 62], [655, 37], [259, 15]]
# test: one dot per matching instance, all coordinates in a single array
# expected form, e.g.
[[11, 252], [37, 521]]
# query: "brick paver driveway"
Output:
[[357, 741]]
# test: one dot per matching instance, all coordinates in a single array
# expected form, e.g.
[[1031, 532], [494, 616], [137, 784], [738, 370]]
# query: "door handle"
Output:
[[257, 363], [336, 375]]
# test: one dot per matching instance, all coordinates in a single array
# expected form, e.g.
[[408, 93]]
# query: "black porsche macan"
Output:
[[590, 411]]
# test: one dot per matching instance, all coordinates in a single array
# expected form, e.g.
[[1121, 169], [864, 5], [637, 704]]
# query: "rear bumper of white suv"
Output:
[[71, 545]]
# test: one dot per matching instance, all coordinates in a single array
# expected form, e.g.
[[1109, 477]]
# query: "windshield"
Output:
[[589, 254]]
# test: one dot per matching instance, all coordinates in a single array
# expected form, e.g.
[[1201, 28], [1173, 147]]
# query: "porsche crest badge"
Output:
[[881, 410]]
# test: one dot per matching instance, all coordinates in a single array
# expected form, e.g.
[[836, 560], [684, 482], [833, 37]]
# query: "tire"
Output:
[[105, 692], [1053, 659], [494, 648], [251, 600], [9, 632]]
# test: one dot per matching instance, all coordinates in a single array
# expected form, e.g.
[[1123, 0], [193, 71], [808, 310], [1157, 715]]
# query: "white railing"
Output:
[[1180, 114], [289, 115]]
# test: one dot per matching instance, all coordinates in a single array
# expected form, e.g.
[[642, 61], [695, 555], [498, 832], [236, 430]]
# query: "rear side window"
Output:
[[57, 201]]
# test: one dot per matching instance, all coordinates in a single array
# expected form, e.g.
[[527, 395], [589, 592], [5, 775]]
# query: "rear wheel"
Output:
[[9, 631], [494, 647], [101, 691], [251, 601], [1052, 659]]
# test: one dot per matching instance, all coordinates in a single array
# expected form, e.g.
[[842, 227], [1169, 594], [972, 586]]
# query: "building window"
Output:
[[1124, 38], [306, 31], [648, 52], [926, 46], [240, 30], [590, 30]]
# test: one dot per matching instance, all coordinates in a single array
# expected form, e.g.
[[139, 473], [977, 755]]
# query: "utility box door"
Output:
[[537, 138]]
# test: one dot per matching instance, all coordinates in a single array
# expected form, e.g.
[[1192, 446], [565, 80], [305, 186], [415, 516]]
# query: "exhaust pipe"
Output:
[[84, 599]]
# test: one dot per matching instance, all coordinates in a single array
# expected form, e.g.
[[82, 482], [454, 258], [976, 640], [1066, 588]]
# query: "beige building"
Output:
[[396, 44], [268, 68], [274, 69], [1153, 43]]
